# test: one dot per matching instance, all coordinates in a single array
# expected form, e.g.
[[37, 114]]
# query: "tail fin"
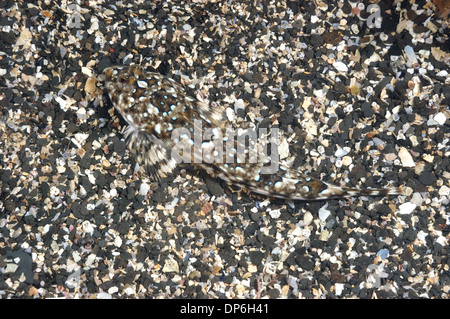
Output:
[[332, 191], [289, 184]]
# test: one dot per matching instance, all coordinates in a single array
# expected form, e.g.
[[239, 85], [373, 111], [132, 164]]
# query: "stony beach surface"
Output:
[[360, 91]]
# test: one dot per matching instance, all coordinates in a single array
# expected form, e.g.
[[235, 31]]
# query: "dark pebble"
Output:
[[214, 186], [306, 263], [120, 147], [316, 40], [427, 178]]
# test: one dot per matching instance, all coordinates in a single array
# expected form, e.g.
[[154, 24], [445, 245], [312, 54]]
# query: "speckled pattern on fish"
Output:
[[155, 106]]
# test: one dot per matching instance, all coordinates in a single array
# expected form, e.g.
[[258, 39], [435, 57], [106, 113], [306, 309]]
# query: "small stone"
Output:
[[444, 191], [176, 279], [33, 291], [54, 246], [118, 241], [429, 158], [109, 12], [240, 289], [417, 199], [421, 235], [90, 85], [170, 265], [113, 192], [275, 213], [346, 160], [61, 169], [11, 268], [194, 274], [324, 235], [427, 178], [74, 279], [200, 225], [340, 66], [297, 231], [442, 73], [323, 212], [406, 208], [87, 227], [24, 40], [105, 163], [239, 104], [340, 152], [23, 262], [103, 295], [407, 191], [430, 25], [113, 290], [90, 260], [307, 218], [252, 268], [383, 253], [411, 56], [406, 158], [339, 287], [294, 84], [76, 256], [283, 149], [390, 157], [144, 189], [440, 118], [231, 114]]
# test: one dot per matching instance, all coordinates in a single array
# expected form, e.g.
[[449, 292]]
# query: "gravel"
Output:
[[77, 220]]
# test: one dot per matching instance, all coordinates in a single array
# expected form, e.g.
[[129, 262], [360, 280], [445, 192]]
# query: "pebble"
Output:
[[324, 213], [444, 191], [73, 279], [87, 227], [340, 66], [239, 104], [440, 118], [11, 268], [429, 158], [170, 265], [143, 189], [90, 260], [104, 295], [347, 160], [383, 253], [427, 178], [118, 241], [390, 157], [421, 235], [283, 149], [417, 199], [411, 56], [406, 208], [307, 218], [406, 158], [274, 213], [113, 290], [340, 152]]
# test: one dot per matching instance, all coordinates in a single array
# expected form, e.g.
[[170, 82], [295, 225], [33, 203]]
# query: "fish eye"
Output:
[[122, 80]]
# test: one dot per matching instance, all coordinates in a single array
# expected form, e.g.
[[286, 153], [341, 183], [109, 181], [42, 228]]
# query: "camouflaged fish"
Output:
[[161, 117]]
